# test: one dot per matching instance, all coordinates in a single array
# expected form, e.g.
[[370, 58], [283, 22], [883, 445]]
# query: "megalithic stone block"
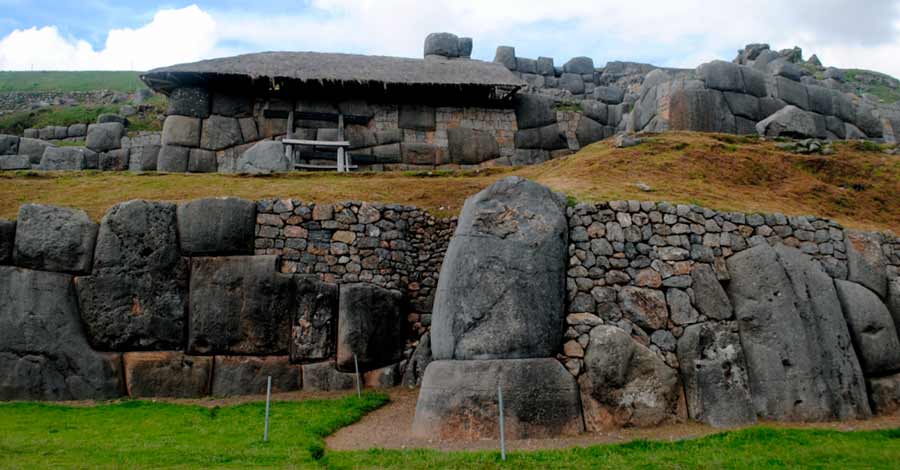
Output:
[[370, 326]]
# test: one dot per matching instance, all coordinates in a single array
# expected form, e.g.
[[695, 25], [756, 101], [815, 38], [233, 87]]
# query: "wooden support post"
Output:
[[288, 148], [341, 164]]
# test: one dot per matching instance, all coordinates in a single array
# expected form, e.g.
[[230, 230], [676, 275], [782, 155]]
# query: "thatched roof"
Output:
[[341, 69]]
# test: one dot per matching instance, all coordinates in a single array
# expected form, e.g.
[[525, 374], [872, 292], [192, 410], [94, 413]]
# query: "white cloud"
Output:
[[173, 36], [843, 33]]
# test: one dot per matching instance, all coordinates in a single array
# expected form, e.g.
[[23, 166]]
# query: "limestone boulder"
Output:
[[370, 327], [63, 159], [324, 377], [866, 263], [136, 295], [800, 359], [248, 375], [470, 146], [714, 373], [43, 352], [792, 121], [216, 226], [50, 238], [105, 136], [871, 327], [264, 157], [7, 240], [239, 305], [314, 323], [626, 384], [167, 374], [501, 289], [33, 148], [191, 102], [458, 400]]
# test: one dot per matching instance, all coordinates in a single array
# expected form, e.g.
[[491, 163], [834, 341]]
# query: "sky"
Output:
[[141, 35]]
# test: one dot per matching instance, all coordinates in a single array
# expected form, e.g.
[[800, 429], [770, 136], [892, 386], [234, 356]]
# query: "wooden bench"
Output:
[[342, 146]]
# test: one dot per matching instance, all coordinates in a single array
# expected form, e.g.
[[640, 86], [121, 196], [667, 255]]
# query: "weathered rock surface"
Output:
[[181, 130], [792, 121], [415, 368], [458, 400], [314, 323], [626, 384], [370, 326], [239, 305], [800, 361], [7, 240], [217, 226], [501, 288], [33, 148], [872, 328], [104, 137], [383, 377], [715, 375], [470, 146], [265, 157], [711, 299], [645, 307], [893, 300], [167, 374], [137, 293], [534, 110], [884, 393], [442, 44], [248, 375], [866, 262], [173, 159], [193, 102], [15, 162], [43, 352], [219, 132], [50, 238], [114, 160], [9, 144], [323, 377], [416, 117], [63, 159]]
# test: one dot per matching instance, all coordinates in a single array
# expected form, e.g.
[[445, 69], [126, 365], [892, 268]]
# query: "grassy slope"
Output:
[[70, 81], [859, 188], [141, 434]]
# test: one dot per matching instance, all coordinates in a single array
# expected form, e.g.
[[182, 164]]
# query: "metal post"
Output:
[[502, 424], [358, 387], [268, 401]]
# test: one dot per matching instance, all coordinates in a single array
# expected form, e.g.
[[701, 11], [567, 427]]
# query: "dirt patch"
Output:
[[389, 428]]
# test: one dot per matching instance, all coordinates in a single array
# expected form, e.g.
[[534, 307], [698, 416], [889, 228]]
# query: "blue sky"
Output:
[[93, 34]]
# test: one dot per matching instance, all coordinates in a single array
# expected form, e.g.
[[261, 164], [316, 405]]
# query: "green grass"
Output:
[[880, 90], [70, 81], [142, 434], [752, 448], [15, 123]]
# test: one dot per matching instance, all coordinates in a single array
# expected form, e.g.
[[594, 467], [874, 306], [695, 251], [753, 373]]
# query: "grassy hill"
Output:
[[859, 186], [70, 81]]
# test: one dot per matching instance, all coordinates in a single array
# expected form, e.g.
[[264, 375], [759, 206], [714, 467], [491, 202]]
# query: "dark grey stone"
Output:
[[800, 361], [590, 131], [416, 117], [465, 47], [173, 159], [225, 104], [700, 110], [609, 94], [33, 148], [501, 290], [15, 162], [110, 117], [792, 121], [104, 137], [529, 157], [579, 65], [792, 92], [626, 384], [77, 130], [524, 66], [458, 400], [470, 146], [742, 104], [60, 132], [389, 153], [191, 102], [7, 240], [754, 82], [135, 297], [596, 111], [867, 121], [216, 226], [314, 324], [63, 159], [893, 301], [506, 56], [872, 328], [710, 298], [442, 44], [264, 157], [418, 362], [884, 393], [820, 100], [50, 238], [323, 377], [420, 153], [248, 375], [644, 307], [181, 130], [9, 145], [202, 161], [239, 305], [370, 327], [866, 262], [220, 132], [544, 66], [715, 375], [43, 353], [547, 138], [114, 160], [167, 374], [721, 75], [574, 83], [534, 111]]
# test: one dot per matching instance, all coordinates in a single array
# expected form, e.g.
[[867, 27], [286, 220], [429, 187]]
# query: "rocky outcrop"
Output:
[[50, 238], [43, 352], [458, 400], [370, 327], [626, 384], [501, 289]]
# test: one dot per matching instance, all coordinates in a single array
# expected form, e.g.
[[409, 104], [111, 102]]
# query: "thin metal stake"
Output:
[[358, 388], [502, 424], [268, 401]]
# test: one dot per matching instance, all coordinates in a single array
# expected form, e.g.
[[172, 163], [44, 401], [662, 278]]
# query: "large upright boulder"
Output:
[[50, 238], [33, 148], [248, 375], [872, 327], [370, 327], [442, 44], [192, 102], [715, 375], [239, 305], [167, 374], [626, 384], [217, 226], [219, 132], [470, 146], [699, 110], [800, 361], [104, 137], [7, 240], [263, 158], [43, 352], [533, 110], [63, 159], [791, 121], [136, 295], [502, 284], [314, 324], [459, 400], [866, 263]]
